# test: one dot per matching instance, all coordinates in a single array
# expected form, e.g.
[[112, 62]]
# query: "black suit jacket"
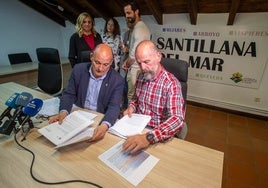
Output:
[[78, 45], [110, 94]]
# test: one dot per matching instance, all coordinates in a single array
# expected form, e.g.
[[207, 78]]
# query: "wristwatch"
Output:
[[150, 137]]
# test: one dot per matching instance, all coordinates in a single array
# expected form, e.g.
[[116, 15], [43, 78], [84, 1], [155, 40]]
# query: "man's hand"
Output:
[[59, 117], [128, 111], [124, 47], [135, 143], [127, 63], [99, 133], [124, 66]]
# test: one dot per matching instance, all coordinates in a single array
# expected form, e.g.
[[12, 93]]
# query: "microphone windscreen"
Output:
[[33, 107], [11, 102], [23, 99]]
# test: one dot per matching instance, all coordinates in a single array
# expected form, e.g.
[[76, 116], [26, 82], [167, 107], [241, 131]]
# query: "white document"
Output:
[[87, 114], [50, 107], [82, 136], [133, 168], [71, 126], [127, 126]]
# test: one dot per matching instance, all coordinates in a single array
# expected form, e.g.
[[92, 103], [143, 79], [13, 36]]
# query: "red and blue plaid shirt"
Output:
[[161, 98]]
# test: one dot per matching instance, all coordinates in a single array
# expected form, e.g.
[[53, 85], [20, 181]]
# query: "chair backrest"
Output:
[[85, 56], [179, 69], [48, 55], [50, 76], [19, 58]]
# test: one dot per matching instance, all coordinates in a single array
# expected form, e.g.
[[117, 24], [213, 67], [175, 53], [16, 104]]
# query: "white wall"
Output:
[[24, 30]]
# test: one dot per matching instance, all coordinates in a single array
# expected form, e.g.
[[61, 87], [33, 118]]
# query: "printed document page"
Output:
[[73, 124], [127, 126], [87, 114], [133, 168], [82, 136]]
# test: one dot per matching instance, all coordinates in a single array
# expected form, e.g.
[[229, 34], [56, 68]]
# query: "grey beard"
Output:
[[148, 76]]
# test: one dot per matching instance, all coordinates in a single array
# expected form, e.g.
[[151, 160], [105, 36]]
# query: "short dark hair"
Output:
[[134, 6]]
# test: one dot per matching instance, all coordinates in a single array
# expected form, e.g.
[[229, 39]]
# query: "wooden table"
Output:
[[7, 89], [26, 73], [181, 164]]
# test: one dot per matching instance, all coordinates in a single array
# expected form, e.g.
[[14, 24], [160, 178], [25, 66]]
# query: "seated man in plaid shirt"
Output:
[[158, 94]]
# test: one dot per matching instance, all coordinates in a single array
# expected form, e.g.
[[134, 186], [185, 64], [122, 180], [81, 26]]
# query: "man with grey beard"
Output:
[[157, 94]]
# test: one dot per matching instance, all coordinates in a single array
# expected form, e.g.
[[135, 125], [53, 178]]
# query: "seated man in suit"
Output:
[[95, 86], [158, 94]]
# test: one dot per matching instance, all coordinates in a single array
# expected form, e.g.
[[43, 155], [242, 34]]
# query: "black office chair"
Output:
[[179, 69], [19, 58], [50, 76], [85, 56]]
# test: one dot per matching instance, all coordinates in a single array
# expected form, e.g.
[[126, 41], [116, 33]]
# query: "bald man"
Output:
[[158, 94], [95, 86]]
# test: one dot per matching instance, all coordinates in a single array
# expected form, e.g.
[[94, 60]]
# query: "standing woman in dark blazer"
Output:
[[85, 38]]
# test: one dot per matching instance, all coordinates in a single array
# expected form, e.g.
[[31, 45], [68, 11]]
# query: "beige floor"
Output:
[[243, 140]]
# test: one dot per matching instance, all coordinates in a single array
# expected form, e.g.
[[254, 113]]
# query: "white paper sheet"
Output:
[[50, 107], [82, 136], [127, 126], [88, 115], [133, 168], [73, 124]]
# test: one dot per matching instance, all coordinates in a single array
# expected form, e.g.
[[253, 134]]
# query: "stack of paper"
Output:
[[128, 126], [74, 128]]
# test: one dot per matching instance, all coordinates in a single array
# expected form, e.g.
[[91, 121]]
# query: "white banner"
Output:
[[231, 55]]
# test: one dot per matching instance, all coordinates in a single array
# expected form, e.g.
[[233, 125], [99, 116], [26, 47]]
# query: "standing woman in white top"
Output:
[[111, 36]]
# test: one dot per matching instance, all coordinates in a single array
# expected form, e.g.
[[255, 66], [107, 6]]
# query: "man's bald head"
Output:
[[102, 59], [147, 47], [148, 57], [104, 51]]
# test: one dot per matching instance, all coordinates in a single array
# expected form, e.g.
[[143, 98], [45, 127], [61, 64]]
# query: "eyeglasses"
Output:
[[42, 117]]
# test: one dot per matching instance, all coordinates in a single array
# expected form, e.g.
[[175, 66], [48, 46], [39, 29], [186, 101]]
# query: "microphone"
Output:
[[11, 104], [30, 110], [21, 101]]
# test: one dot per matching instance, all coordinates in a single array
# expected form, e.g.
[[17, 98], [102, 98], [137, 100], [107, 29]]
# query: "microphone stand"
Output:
[[30, 122], [27, 130]]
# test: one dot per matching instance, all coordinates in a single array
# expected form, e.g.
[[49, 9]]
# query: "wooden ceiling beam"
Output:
[[53, 9], [98, 10], [36, 5], [120, 4], [105, 9], [69, 8], [233, 10], [192, 9], [156, 10]]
